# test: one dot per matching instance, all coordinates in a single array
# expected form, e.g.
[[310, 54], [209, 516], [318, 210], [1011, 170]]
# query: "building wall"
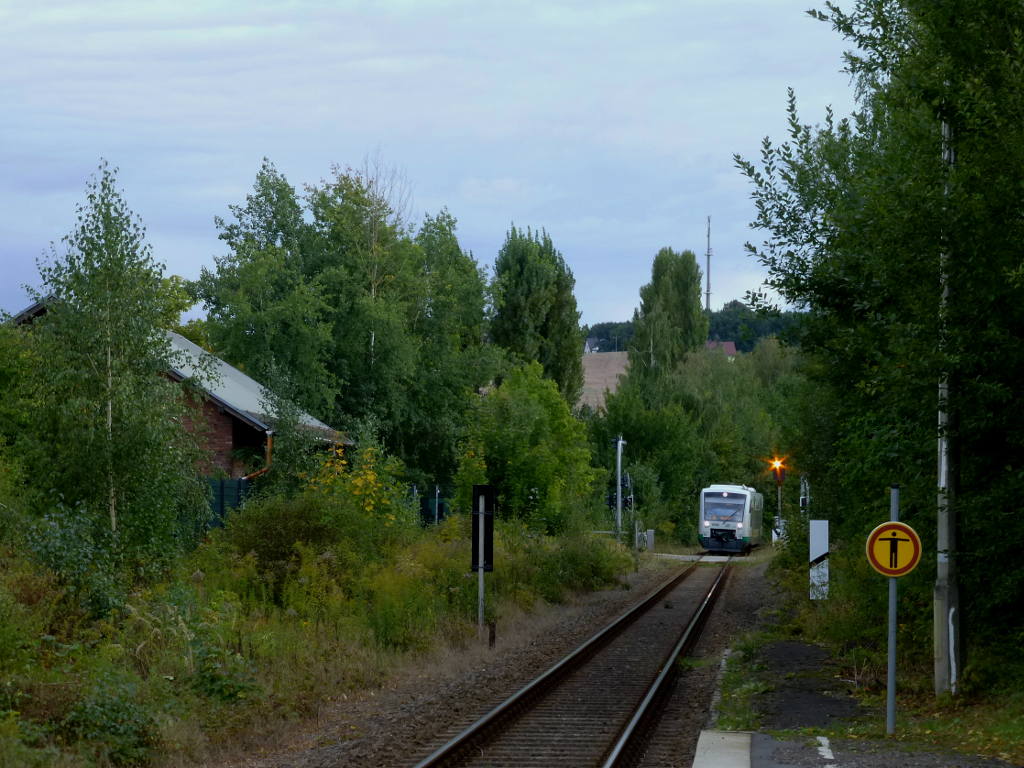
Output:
[[215, 431]]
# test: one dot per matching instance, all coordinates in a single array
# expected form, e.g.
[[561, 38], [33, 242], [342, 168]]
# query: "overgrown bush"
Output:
[[403, 607], [82, 554], [220, 673], [297, 598], [316, 590], [15, 752], [366, 500], [112, 718], [269, 527]]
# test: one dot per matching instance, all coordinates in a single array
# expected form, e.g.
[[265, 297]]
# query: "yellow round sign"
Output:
[[894, 549]]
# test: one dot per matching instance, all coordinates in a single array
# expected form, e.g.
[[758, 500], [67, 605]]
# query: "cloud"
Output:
[[610, 123]]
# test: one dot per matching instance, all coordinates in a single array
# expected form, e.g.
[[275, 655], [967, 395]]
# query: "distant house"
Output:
[[235, 428], [727, 347], [30, 313]]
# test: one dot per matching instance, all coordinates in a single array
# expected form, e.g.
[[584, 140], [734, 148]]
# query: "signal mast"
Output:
[[707, 273]]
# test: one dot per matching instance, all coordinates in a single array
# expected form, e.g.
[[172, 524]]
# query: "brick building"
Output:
[[233, 424], [234, 427]]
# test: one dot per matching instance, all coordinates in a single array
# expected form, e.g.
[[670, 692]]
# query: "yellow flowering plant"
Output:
[[368, 483]]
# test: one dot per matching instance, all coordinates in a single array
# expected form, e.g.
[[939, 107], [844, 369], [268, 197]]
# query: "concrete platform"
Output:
[[741, 749], [722, 749]]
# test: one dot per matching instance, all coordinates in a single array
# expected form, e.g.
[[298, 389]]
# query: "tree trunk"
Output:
[[110, 442]]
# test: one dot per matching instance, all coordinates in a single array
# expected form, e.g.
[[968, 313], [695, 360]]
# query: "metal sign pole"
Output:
[[886, 555], [890, 698], [480, 568], [618, 485]]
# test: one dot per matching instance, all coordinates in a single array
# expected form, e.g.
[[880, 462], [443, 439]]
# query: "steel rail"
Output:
[[634, 732], [504, 711]]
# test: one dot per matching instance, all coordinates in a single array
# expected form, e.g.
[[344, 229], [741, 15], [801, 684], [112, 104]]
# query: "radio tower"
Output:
[[707, 273]]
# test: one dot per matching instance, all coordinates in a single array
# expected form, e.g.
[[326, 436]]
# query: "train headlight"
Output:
[[739, 525], [707, 523]]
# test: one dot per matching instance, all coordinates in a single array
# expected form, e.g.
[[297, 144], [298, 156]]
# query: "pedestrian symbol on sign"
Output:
[[894, 543], [893, 549]]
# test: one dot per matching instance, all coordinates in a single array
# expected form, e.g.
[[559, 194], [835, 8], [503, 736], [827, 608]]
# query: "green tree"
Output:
[[453, 360], [525, 441], [709, 421], [106, 433], [266, 313], [664, 452], [611, 336], [16, 363], [739, 323], [903, 263], [535, 315], [669, 322], [367, 264], [363, 323]]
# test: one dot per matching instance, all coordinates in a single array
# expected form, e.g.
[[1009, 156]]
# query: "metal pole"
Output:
[[480, 569], [618, 485], [946, 619], [437, 502], [890, 698], [707, 293]]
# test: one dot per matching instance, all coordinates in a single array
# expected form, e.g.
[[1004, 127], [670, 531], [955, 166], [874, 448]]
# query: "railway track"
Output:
[[596, 706]]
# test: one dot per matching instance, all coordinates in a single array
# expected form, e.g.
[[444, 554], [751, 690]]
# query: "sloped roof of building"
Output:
[[236, 392], [242, 396], [30, 313], [729, 347]]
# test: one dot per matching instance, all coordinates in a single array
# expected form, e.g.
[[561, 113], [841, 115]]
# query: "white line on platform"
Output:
[[824, 749]]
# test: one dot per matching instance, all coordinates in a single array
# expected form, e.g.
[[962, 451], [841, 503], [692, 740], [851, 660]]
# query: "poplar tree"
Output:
[[669, 322], [535, 315], [453, 359], [364, 324], [366, 263]]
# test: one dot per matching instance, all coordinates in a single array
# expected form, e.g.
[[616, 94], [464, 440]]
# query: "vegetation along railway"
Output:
[[600, 704]]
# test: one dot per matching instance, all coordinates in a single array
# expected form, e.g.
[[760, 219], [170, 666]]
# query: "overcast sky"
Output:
[[610, 124]]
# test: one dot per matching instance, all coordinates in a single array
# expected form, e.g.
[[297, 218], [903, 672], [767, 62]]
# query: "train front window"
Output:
[[723, 508]]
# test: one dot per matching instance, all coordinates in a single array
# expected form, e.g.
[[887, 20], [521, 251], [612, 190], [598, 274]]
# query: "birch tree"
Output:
[[108, 435]]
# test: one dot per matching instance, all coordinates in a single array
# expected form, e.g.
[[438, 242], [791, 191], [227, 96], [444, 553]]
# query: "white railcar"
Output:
[[730, 518]]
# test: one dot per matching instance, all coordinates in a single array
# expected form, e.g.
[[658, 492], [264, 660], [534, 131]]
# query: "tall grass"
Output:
[[295, 600]]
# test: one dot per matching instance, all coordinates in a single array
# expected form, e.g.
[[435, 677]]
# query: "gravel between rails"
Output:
[[741, 607]]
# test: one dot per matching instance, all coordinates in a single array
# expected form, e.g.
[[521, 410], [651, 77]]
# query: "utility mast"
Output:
[[946, 604], [707, 273]]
